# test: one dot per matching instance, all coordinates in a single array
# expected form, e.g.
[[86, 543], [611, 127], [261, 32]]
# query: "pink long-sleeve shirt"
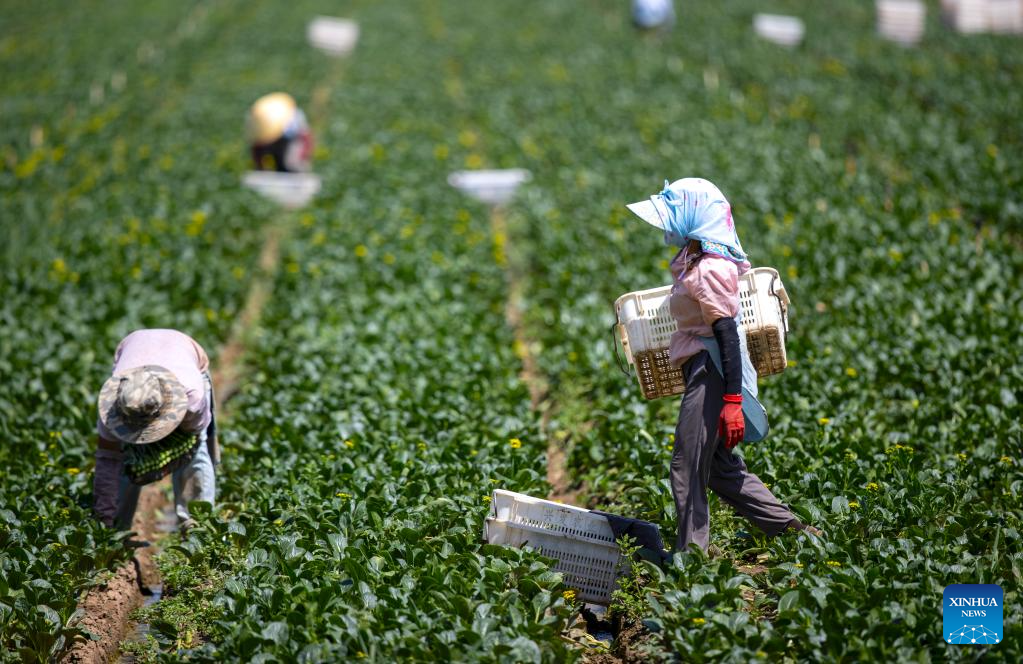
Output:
[[178, 353], [705, 287]]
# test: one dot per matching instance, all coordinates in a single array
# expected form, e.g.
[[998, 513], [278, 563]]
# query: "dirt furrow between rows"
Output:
[[525, 348], [107, 607]]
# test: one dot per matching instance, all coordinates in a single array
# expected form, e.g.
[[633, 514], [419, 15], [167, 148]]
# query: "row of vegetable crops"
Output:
[[383, 400], [121, 156]]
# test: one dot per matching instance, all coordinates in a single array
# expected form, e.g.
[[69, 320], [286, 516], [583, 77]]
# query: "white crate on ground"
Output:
[[966, 16], [582, 542], [784, 30], [336, 36], [493, 186], [1005, 16], [645, 326], [901, 21], [290, 190]]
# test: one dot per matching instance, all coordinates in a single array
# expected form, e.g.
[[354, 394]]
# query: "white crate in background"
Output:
[[645, 326], [493, 186], [784, 30], [290, 190], [966, 16], [1005, 16], [901, 21], [336, 36], [581, 542]]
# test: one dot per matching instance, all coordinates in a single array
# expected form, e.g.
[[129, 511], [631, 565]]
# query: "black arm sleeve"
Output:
[[727, 335]]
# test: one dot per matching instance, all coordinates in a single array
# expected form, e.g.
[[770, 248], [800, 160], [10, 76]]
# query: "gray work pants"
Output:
[[701, 461]]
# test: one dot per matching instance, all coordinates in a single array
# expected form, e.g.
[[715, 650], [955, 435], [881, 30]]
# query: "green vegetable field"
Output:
[[418, 350]]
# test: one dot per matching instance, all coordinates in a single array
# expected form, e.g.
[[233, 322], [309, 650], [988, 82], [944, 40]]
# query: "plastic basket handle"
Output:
[[614, 344], [783, 302]]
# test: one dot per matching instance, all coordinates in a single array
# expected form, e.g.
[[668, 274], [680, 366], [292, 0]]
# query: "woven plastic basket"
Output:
[[581, 542], [645, 326]]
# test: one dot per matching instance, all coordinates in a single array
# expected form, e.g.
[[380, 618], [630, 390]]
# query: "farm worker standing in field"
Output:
[[719, 406], [155, 418], [279, 134]]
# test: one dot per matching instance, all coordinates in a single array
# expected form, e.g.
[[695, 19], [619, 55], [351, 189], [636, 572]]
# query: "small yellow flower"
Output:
[[962, 457], [473, 452], [73, 471], [349, 444], [799, 565], [853, 505], [873, 486], [361, 251], [851, 372], [824, 420], [569, 595], [698, 621], [342, 495], [833, 563], [1006, 460], [671, 437], [278, 522], [486, 499], [421, 446], [360, 654], [515, 443], [850, 456]]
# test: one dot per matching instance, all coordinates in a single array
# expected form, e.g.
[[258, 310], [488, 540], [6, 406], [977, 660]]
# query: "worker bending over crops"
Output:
[[719, 406], [155, 418], [279, 135]]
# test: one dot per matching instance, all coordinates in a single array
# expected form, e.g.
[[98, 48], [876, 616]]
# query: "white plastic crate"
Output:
[[582, 542], [493, 187], [966, 16], [645, 326], [336, 36], [784, 30], [901, 21], [291, 190], [1005, 16]]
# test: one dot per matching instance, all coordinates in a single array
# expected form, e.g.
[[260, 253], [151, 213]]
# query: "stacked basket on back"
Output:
[[645, 326]]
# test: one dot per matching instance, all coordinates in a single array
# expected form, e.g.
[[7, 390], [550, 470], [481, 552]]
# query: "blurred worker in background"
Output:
[[719, 406], [155, 418], [279, 135], [653, 14]]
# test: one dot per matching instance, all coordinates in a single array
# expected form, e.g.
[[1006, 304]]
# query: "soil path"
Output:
[[531, 374], [108, 606]]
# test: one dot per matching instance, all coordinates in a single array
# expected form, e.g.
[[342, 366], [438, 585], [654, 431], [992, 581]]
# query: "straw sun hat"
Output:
[[142, 405], [269, 117]]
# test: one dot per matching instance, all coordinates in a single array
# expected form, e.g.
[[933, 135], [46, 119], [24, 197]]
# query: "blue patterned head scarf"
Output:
[[694, 209]]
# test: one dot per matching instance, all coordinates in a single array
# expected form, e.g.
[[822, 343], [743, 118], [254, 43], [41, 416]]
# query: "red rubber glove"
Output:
[[732, 425]]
